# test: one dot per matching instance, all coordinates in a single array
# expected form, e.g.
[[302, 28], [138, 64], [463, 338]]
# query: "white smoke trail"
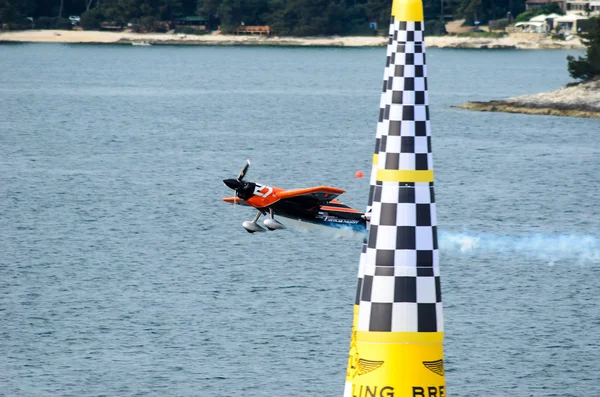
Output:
[[584, 248]]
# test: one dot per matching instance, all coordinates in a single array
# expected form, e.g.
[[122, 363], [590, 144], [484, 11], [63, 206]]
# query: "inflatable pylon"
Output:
[[397, 337]]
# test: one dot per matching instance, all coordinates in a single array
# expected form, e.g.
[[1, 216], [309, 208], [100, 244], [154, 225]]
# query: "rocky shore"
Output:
[[576, 100], [524, 41], [513, 40]]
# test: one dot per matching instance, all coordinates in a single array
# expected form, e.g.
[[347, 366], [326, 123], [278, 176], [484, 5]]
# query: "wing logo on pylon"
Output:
[[436, 366], [366, 366], [356, 365]]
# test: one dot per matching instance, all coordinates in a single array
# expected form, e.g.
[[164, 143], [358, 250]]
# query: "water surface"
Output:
[[123, 274]]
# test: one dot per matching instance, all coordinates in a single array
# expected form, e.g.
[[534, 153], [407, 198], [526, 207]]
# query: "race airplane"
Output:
[[317, 205]]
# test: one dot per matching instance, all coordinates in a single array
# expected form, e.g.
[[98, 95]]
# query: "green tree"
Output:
[[435, 27], [230, 12], [168, 9], [546, 9], [208, 7], [9, 11], [147, 22], [587, 67], [91, 19], [378, 11], [63, 24], [286, 17], [282, 18]]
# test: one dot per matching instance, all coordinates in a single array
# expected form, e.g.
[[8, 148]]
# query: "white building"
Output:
[[579, 7]]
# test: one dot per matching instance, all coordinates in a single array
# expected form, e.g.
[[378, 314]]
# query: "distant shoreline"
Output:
[[512, 41]]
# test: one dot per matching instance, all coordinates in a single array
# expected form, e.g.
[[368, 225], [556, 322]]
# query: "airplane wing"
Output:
[[317, 194], [308, 197]]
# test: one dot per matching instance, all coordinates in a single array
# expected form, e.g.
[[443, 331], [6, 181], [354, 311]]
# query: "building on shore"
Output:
[[196, 22], [580, 7]]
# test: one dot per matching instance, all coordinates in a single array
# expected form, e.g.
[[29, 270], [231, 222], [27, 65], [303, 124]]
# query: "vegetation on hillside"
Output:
[[587, 67], [286, 17], [546, 9]]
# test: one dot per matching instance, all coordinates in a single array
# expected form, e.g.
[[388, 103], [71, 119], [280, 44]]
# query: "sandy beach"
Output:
[[70, 36], [514, 40]]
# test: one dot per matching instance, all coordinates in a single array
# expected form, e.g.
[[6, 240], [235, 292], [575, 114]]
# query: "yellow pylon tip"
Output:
[[408, 10]]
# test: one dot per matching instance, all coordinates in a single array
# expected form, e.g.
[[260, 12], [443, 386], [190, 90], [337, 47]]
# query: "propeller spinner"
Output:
[[243, 189], [233, 183]]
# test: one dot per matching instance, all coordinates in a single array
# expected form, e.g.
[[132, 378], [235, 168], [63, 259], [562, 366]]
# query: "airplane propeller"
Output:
[[242, 173], [245, 190]]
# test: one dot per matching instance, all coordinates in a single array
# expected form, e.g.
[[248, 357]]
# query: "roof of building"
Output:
[[570, 18], [539, 18], [529, 24], [542, 17], [193, 18]]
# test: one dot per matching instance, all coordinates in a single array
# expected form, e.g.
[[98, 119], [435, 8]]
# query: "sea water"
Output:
[[122, 273]]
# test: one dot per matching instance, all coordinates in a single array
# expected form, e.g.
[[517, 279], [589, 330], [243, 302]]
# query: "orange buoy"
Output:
[[359, 174]]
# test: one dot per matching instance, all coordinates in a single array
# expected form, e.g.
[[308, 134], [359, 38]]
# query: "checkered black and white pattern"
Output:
[[382, 126], [362, 262], [399, 290]]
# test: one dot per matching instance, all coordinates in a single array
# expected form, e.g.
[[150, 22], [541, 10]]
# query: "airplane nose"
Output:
[[232, 183]]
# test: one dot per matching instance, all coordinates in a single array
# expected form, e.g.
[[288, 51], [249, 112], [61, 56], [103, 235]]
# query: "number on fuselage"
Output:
[[262, 190]]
